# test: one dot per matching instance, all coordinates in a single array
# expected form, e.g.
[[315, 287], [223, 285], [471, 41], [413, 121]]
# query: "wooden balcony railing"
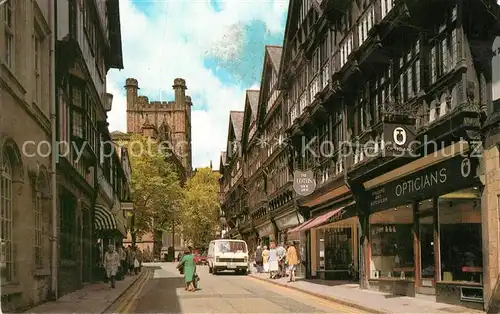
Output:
[[314, 87], [303, 102], [272, 99], [325, 75]]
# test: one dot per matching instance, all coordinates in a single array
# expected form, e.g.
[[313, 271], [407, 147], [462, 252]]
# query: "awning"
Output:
[[318, 221], [104, 219]]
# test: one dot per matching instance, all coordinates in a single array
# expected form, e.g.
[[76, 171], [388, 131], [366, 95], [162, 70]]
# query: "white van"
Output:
[[228, 254]]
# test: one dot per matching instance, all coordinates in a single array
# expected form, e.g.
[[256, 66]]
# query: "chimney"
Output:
[[180, 93], [210, 165]]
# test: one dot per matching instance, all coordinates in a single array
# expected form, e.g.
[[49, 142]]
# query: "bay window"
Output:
[[444, 46], [386, 7], [408, 73], [83, 115], [78, 120], [366, 24]]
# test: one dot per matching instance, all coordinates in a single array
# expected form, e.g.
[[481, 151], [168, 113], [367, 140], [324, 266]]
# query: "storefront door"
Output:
[[427, 252]]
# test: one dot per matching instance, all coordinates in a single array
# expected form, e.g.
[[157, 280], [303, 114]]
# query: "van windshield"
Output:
[[232, 247]]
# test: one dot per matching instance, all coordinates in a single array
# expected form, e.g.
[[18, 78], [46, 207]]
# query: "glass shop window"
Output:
[[392, 243], [460, 236]]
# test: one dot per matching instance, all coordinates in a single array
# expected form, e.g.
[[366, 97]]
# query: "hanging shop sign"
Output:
[[304, 182], [289, 221], [453, 174], [265, 230], [399, 139]]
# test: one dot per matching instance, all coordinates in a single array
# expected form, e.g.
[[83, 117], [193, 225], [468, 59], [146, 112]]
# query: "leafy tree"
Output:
[[155, 187], [200, 207]]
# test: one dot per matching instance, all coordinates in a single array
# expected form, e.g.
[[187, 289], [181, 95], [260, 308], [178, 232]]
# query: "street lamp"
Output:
[[108, 101]]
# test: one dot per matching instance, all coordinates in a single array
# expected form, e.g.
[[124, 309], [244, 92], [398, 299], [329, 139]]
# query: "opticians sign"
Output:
[[453, 174]]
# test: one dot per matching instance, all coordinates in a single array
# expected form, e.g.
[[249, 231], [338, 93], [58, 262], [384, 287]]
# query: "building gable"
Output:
[[272, 57]]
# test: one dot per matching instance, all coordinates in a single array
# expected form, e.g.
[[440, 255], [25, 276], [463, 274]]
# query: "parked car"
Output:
[[200, 259]]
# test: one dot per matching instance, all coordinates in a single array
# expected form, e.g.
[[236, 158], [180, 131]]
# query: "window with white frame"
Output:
[[386, 7], [8, 9], [6, 254], [366, 24], [38, 219], [380, 92], [408, 73], [346, 49], [37, 61], [444, 47]]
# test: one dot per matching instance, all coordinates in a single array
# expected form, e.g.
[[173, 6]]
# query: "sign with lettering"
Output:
[[304, 182], [265, 230], [291, 220], [398, 139], [453, 174]]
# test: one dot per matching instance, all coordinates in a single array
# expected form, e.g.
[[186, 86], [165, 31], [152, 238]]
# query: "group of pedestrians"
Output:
[[278, 261], [121, 262]]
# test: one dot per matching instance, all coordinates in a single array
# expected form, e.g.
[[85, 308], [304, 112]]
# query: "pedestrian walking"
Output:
[[281, 260], [265, 259], [258, 259], [292, 260], [188, 267], [273, 261], [123, 256], [136, 260], [130, 260], [139, 257], [111, 263]]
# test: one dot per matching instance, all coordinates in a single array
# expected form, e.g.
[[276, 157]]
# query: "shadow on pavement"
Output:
[[160, 296]]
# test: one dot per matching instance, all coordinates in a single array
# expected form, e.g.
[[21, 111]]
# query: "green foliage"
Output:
[[155, 185], [200, 207]]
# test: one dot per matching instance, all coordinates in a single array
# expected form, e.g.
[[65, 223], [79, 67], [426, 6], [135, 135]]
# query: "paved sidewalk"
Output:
[[367, 300], [93, 298]]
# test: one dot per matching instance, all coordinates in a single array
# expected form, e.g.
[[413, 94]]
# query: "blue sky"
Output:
[[217, 46]]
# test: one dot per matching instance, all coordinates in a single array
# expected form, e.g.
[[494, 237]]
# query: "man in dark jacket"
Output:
[[258, 259]]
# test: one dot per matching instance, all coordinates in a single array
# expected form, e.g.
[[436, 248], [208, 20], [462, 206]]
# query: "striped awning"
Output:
[[104, 219]]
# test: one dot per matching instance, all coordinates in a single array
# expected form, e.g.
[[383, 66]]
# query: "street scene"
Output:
[[164, 292], [277, 156]]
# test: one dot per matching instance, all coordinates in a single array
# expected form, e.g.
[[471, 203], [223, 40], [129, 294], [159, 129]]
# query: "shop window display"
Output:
[[392, 243], [460, 236], [334, 248], [426, 237]]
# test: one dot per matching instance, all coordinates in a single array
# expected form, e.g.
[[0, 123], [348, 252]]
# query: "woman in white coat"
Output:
[[111, 263], [265, 259]]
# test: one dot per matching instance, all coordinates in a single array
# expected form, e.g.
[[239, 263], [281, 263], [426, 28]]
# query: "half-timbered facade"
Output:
[[252, 150], [408, 92], [281, 209], [88, 44], [233, 175]]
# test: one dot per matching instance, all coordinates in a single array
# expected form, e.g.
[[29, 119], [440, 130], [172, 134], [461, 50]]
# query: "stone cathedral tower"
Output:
[[167, 121]]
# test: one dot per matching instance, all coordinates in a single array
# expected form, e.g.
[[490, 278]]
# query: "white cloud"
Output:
[[173, 43]]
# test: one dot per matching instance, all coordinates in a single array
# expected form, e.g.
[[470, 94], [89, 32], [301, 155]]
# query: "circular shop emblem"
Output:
[[303, 182], [465, 167], [399, 136]]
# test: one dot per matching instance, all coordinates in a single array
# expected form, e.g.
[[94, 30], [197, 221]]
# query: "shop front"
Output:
[[266, 233], [286, 222], [110, 228], [425, 233], [332, 247]]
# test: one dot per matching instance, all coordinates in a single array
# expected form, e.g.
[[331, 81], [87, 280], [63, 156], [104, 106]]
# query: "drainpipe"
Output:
[[55, 150]]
